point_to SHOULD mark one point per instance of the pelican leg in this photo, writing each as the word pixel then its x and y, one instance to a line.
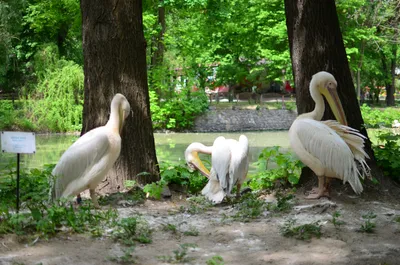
pixel 321 191
pixel 78 199
pixel 239 185
pixel 94 199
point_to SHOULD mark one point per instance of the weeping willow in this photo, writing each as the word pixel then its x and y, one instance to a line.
pixel 57 102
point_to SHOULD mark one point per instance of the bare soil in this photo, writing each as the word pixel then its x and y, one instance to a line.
pixel 258 241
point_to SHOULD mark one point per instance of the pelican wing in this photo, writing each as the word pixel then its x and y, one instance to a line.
pixel 239 163
pixel 80 158
pixel 321 142
pixel 220 159
pixel 355 140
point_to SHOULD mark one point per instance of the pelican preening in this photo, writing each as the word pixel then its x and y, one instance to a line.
pixel 229 165
pixel 86 162
pixel 329 148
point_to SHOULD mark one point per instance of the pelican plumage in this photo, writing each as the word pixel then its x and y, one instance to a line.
pixel 86 162
pixel 329 148
pixel 229 165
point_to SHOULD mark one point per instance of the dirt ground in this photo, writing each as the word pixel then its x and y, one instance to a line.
pixel 256 242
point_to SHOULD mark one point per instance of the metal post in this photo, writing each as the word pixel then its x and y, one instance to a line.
pixel 18 182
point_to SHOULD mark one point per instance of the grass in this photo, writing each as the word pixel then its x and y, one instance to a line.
pixel 180 255
pixel 126 258
pixel 335 219
pixel 249 207
pixel 302 232
pixel 274 103
pixel 368 226
pixel 215 260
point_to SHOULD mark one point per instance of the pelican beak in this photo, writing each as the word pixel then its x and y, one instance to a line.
pixel 121 121
pixel 334 102
pixel 197 164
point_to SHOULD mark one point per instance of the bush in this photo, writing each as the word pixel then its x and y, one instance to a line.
pixel 288 169
pixel 377 118
pixel 387 154
pixel 177 112
pixel 12 117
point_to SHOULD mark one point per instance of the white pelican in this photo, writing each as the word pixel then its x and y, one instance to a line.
pixel 229 161
pixel 329 148
pixel 88 160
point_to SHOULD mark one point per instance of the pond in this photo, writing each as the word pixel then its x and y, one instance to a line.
pixel 170 147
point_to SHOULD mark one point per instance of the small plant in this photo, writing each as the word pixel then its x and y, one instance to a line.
pixel 197 204
pixel 302 232
pixel 180 254
pixel 154 189
pixel 284 201
pixel 215 260
pixel 397 219
pixel 386 154
pixel 368 226
pixel 127 258
pixel 335 219
pixel 131 229
pixel 129 184
pixel 287 170
pixel 249 207
pixel 170 227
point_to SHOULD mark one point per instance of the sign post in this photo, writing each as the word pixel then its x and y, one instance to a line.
pixel 19 143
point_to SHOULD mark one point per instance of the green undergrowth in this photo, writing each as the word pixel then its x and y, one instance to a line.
pixel 302 232
pixel 276 168
pixel 387 152
pixel 179 174
pixel 379 117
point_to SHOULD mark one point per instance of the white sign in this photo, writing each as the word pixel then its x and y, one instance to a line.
pixel 18 142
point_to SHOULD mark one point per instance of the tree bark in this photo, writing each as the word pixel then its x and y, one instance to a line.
pixel 115 62
pixel 316 44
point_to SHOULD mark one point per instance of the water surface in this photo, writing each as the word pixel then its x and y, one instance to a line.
pixel 170 147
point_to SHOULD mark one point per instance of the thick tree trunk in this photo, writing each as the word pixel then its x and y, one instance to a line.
pixel 316 45
pixel 115 62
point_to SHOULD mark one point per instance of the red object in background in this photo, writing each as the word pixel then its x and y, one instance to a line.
pixel 221 89
pixel 288 88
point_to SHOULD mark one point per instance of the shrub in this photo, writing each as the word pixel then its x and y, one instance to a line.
pixel 177 112
pixel 387 154
pixel 287 170
pixel 376 118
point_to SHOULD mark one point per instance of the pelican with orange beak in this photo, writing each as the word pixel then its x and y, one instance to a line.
pixel 330 148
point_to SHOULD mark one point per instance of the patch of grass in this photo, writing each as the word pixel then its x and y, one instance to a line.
pixel 170 227
pixel 180 254
pixel 302 232
pixel 368 226
pixel 397 218
pixel 335 219
pixel 249 207
pixel 126 258
pixel 215 260
pixel 132 197
pixel 191 232
pixel 131 229
pixel 284 202
pixel 197 204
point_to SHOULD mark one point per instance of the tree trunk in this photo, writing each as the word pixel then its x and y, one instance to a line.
pixel 158 42
pixel 115 62
pixel 316 45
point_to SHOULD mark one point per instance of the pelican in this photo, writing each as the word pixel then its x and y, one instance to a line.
pixel 88 160
pixel 229 161
pixel 329 148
